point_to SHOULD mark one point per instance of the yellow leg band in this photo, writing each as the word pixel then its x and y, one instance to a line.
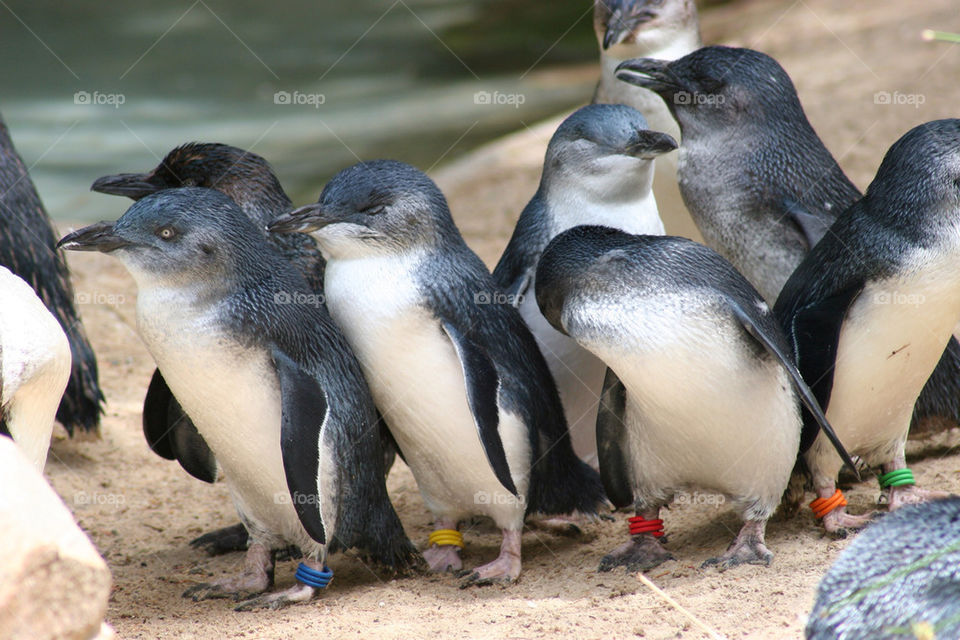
pixel 446 536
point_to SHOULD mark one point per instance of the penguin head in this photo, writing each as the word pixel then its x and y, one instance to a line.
pixel 631 28
pixel 605 148
pixel 244 176
pixel 716 87
pixel 375 207
pixel 918 182
pixel 178 236
pixel 586 257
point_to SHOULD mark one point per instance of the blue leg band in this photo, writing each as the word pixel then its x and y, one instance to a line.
pixel 314 578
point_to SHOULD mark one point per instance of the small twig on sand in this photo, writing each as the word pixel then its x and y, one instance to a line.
pixel 676 605
pixel 945 36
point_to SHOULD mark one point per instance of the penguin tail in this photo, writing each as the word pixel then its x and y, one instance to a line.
pixel 561 483
pixel 380 539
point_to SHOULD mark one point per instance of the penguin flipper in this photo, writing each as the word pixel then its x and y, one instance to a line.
pixel 304 412
pixel 611 435
pixel 813 226
pixel 483 384
pixel 807 396
pixel 172 435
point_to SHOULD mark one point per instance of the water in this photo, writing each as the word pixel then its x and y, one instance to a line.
pixel 89 88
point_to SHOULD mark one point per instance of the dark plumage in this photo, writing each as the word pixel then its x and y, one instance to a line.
pixel 27 242
pixel 900 578
pixel 758 181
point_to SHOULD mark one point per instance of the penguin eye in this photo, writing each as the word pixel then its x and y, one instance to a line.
pixel 375 209
pixel 166 233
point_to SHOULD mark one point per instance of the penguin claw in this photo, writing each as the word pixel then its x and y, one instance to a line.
pixel 294 595
pixel 640 553
pixel 747 548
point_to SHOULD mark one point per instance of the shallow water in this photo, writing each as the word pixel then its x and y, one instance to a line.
pixel 94 88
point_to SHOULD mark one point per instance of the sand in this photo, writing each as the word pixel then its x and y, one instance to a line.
pixel 141 510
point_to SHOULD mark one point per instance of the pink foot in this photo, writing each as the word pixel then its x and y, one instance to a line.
pixel 280 599
pixel 257 577
pixel 506 568
pixel 748 548
pixel 912 494
pixel 839 523
pixel 442 558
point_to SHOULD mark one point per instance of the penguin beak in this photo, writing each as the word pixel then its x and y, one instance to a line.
pixel 305 219
pixel 650 74
pixel 96 237
pixel 132 185
pixel 650 144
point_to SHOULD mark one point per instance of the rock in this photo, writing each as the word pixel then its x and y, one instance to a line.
pixel 53 582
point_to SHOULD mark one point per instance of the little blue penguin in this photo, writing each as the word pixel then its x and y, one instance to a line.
pixel 269 381
pixel 758 181
pixel 899 579
pixel 662 29
pixel 701 392
pixel 872 306
pixel 598 169
pixel 250 181
pixel 27 241
pixel 34 368
pixel 455 372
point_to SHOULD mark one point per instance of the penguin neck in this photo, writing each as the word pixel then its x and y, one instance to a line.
pixel 613 199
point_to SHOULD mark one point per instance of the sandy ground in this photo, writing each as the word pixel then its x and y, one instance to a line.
pixel 141 511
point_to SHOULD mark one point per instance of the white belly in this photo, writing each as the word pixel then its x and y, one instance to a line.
pixel 702 411
pixel 34 366
pixel 417 383
pixel 233 397
pixel 891 340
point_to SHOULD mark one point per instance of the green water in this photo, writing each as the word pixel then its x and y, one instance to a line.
pixel 90 88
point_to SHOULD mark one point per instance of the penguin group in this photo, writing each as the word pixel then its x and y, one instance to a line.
pixel 601 363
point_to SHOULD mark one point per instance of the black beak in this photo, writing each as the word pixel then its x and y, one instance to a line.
pixel 650 74
pixel 132 185
pixel 96 237
pixel 307 218
pixel 650 144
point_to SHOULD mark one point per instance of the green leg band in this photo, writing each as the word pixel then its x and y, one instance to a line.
pixel 896 478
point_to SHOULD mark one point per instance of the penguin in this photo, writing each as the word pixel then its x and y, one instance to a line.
pixel 760 184
pixel 702 390
pixel 35 366
pixel 250 182
pixel 452 366
pixel 899 578
pixel 270 383
pixel 871 308
pixel 27 240
pixel 662 29
pixel 599 169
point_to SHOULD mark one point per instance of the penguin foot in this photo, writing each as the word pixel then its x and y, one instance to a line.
pixel 221 541
pixel 641 553
pixel 443 558
pixel 278 600
pixel 506 568
pixel 256 578
pixel 912 494
pixel 839 523
pixel 747 548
